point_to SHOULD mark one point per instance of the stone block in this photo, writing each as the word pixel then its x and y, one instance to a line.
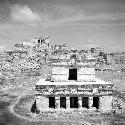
pixel 42 103
pixel 118 105
pixel 67 102
pixel 60 70
pixel 59 77
pixel 57 102
pixel 106 104
pixel 85 77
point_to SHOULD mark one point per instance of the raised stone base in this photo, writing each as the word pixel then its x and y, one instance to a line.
pixel 105 104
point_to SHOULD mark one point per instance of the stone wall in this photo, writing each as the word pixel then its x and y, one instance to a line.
pixel 83 77
pixel 118 105
pixel 106 104
pixel 60 73
pixel 83 74
pixel 86 70
pixel 86 74
pixel 42 103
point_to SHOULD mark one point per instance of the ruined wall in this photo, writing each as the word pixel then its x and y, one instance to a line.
pixel 60 74
pixel 106 104
pixel 118 105
pixel 82 77
pixel 86 70
pixel 86 74
pixel 42 103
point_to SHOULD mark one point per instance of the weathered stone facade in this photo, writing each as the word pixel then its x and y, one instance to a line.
pixel 73 85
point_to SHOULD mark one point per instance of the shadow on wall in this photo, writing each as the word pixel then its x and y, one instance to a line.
pixel 34 108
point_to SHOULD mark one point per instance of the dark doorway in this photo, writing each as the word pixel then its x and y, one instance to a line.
pixel 96 102
pixel 72 74
pixel 85 102
pixel 73 102
pixel 33 108
pixel 62 102
pixel 51 102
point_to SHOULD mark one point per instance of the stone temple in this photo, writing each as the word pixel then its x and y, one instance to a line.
pixel 73 86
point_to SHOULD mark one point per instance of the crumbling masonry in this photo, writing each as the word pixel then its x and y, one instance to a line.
pixel 73 86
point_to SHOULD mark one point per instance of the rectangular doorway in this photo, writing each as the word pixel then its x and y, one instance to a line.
pixel 96 102
pixel 51 102
pixel 62 102
pixel 73 102
pixel 85 102
pixel 72 74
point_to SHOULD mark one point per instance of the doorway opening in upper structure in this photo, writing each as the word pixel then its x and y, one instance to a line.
pixel 72 74
pixel 51 102
pixel 73 102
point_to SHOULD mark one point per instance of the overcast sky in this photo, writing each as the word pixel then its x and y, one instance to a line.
pixel 78 23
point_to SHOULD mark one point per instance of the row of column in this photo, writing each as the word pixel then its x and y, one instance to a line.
pixel 90 102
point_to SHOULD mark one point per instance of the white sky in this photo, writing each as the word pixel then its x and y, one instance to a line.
pixel 78 23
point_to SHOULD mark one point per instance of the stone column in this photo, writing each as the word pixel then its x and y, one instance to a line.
pixel 67 102
pixel 80 102
pixel 57 102
pixel 90 102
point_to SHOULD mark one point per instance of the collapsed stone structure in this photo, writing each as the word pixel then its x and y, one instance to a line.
pixel 73 86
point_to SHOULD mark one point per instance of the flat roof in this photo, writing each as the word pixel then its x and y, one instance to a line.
pixel 71 82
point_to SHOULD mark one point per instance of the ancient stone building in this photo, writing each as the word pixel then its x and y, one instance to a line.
pixel 73 86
